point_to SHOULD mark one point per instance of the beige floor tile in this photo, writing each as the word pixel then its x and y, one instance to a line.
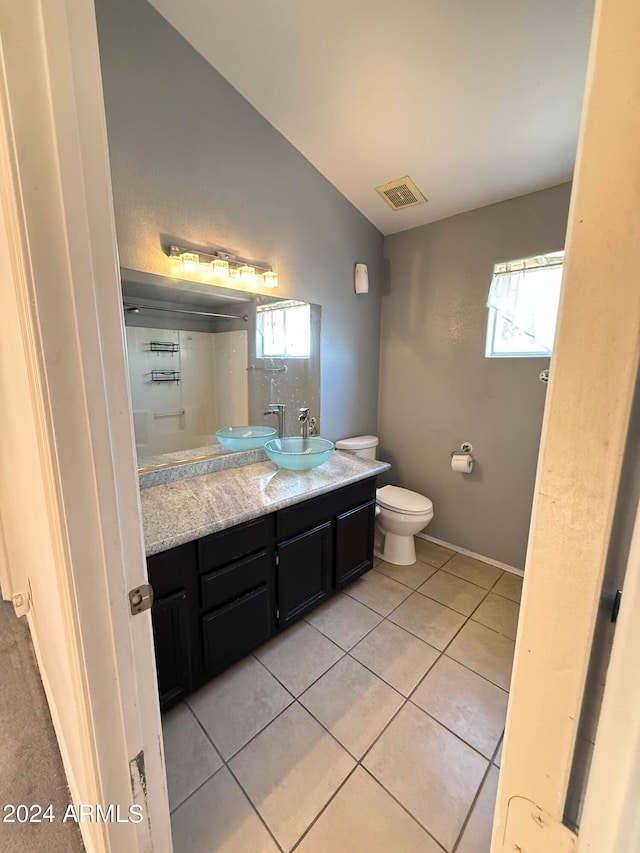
pixel 363 818
pixel 454 592
pixel 430 771
pixel 219 817
pixel 353 703
pixel 428 620
pixel 290 771
pixel 510 586
pixel 474 571
pixel 378 592
pixel 412 576
pixel 500 614
pixel 238 704
pixel 430 552
pixel 344 620
pixel 476 837
pixel 396 655
pixel 298 656
pixel 469 705
pixel 484 651
pixel 189 755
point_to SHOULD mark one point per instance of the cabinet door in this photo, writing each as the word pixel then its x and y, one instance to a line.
pixel 304 572
pixel 172 641
pixel 354 542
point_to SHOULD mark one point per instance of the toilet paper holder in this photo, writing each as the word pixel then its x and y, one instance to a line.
pixel 462 456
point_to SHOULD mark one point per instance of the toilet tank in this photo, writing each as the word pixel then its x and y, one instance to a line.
pixel 360 445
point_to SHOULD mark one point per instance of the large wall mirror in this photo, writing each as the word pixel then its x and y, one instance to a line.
pixel 203 357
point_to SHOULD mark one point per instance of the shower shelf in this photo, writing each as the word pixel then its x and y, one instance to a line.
pixel 163 346
pixel 165 376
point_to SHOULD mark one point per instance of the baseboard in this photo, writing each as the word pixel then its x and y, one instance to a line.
pixel 496 563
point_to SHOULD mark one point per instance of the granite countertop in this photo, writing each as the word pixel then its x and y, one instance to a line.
pixel 180 512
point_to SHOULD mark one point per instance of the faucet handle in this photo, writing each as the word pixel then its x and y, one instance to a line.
pixel 304 413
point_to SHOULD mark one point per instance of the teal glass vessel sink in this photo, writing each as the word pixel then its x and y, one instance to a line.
pixel 244 437
pixel 299 454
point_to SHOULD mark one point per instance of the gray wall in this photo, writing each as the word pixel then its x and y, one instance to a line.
pixel 436 387
pixel 193 161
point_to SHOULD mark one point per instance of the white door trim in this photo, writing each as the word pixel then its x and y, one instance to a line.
pixel 593 374
pixel 74 535
pixel 611 818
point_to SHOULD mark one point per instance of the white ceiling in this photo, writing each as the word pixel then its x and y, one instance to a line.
pixel 476 100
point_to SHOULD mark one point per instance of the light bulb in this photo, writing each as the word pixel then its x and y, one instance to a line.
pixel 220 268
pixel 270 278
pixel 247 274
pixel 190 262
pixel 205 271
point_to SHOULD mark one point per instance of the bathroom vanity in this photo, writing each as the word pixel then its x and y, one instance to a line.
pixel 236 556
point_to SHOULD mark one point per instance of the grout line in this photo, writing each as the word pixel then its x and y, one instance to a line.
pixel 475 672
pixel 471 808
pixel 403 807
pixel 195 790
pixel 405 700
pixel 455 734
pixel 466 615
pixel 255 808
pixel 388 683
pixel 326 805
pixel 465 552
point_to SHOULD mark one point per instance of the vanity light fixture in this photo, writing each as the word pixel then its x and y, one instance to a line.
pixel 219 266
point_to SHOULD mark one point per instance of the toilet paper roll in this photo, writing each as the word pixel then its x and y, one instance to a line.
pixel 462 462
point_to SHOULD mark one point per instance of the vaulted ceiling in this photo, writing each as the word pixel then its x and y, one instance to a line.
pixel 476 101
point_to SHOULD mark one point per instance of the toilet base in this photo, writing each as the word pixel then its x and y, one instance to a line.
pixel 399 550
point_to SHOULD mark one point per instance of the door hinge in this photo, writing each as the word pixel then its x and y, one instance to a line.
pixel 277 559
pixel 21 603
pixel 140 598
pixel 616 605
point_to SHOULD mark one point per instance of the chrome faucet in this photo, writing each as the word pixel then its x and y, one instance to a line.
pixel 304 419
pixel 278 410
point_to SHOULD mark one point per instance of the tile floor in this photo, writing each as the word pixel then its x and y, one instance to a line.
pixel 375 724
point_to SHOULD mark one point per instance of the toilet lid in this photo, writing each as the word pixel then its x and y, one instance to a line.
pixel 403 500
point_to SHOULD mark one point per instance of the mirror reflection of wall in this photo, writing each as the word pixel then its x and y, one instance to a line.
pixel 211 392
pixel 203 357
pixel 284 361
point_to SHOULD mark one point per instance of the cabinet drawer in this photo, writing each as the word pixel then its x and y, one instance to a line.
pixel 296 519
pixel 172 570
pixel 234 630
pixel 230 545
pixel 224 585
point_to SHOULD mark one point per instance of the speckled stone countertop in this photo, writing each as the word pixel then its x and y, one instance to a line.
pixel 181 512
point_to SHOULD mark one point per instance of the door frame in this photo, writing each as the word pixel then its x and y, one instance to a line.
pixel 69 342
pixel 593 372
pixel 70 515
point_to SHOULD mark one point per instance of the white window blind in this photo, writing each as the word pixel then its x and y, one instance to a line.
pixel 523 306
pixel 284 330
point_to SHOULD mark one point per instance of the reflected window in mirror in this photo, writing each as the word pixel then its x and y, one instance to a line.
pixel 283 331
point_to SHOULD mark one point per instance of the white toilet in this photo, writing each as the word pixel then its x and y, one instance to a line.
pixel 401 513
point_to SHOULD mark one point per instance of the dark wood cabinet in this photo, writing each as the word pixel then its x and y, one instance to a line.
pixel 218 598
pixel 175 622
pixel 304 570
pixel 355 530
pixel 173 647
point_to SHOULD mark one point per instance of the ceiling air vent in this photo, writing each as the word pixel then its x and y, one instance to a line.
pixel 401 193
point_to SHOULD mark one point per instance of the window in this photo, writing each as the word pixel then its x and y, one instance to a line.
pixel 283 330
pixel 523 307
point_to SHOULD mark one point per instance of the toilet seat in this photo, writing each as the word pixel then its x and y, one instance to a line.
pixel 405 501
